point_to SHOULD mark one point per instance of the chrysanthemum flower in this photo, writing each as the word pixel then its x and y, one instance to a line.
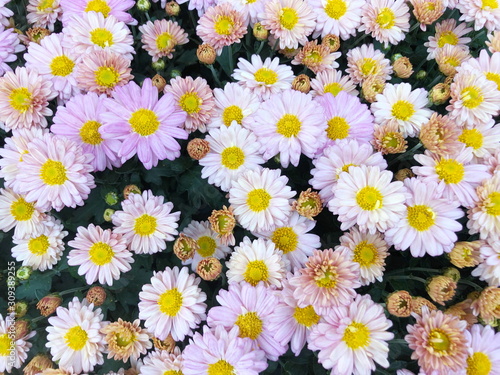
pixel 16 212
pixel 126 340
pixel 450 58
pixel 250 309
pixel 9 46
pixel 263 78
pixel 493 42
pixel 116 8
pixel 438 341
pixel 482 138
pixel 484 215
pixel 332 81
pixel 489 65
pixel 161 37
pixel 352 338
pixel 489 269
pixel 172 304
pixel 43 13
pixel 484 350
pixel 159 362
pixel 233 150
pixel 455 172
pixel 223 353
pixel 74 337
pixel 316 57
pixel 260 199
pixel 487 305
pixel 466 254
pixel 484 13
pixel 366 61
pixel 440 135
pixel 200 5
pixel 146 222
pixel 447 32
pixel 21 346
pixel 337 17
pixel 5 13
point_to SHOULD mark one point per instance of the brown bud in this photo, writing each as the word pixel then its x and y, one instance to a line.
pixel 440 94
pixel 49 304
pixel 96 295
pixel 168 344
pixel 302 83
pixel 308 204
pixel 259 32
pixel 130 189
pixel 159 82
pixel 39 363
pixel 206 54
pixel 399 303
pixel 209 268
pixel 402 67
pixel 36 34
pixel 197 148
pixel 441 289
pixel 22 328
pixel 332 42
pixel 172 8
pixel 185 247
pixel 403 174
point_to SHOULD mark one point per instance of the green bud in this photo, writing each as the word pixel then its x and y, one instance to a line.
pixel 396 56
pixel 175 73
pixel 108 213
pixel 143 5
pixel 20 308
pixel 24 273
pixel 421 74
pixel 452 273
pixel 111 198
pixel 158 65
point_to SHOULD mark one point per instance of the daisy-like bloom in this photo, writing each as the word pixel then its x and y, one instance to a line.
pixel 332 81
pixel 447 32
pixel 80 120
pixel 490 66
pixel 484 215
pixel 294 240
pixel 438 341
pixel 352 338
pixel 103 71
pixel 222 25
pixel 336 159
pixel 256 261
pixel 369 250
pixel 260 199
pixel 263 78
pixel 289 124
pixel 117 8
pixel 172 304
pixel 20 345
pixel 250 309
pixel 24 99
pixel 327 280
pixel 9 46
pixel 146 125
pixel 466 254
pixel 474 98
pixel 290 21
pixel 484 350
pixel 427 11
pixel 429 223
pixel 43 13
pixel 404 105
pixel 488 270
pixel 455 172
pixel 440 135
pixel 317 57
pixel 367 197
pixel 146 222
pixel 208 242
pixel 195 99
pixel 160 362
pixel 366 61
pixel 337 17
pixel 450 58
pixel 233 150
pixel 16 212
pixel 223 353
pixel 161 37
pixel 41 250
pixel 484 13
pixel 482 138
pixel 55 173
pixel 386 20
pixel 387 139
pixel 126 340
pixel 493 42
pixel 74 337
pixel 100 254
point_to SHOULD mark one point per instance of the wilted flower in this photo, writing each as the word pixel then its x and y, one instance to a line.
pixel 168 344
pixel 39 363
pixel 440 93
pixel 332 42
pixel 402 67
pixel 403 174
pixel 131 189
pixel 302 83
pixel 159 82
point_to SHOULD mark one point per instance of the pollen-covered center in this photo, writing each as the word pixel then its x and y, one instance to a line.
pixel 258 200
pixel 338 128
pixel 250 325
pixel 386 18
pixel 61 66
pixel 20 99
pixel 368 66
pixel 39 245
pixel 101 37
pixel 369 198
pixel 89 133
pixel 232 157
pixel 326 277
pixel 489 4
pixel 471 138
pixel 493 77
pixel 333 88
pixel 306 316
pixel 266 76
pixel 145 225
pixel 76 338
pixel 206 246
pixel 439 340
pixel 478 364
pixel 365 253
pixel 335 8
pixel 190 102
pixel 288 126
pixel 45 4
pixel 450 171
pixel 447 37
pixel 421 217
pixel 164 40
pixel 224 25
pixel 256 271
pixel 220 367
pixel 170 302
pixel 5 345
pixel 106 76
pixel 285 239
pixel 100 253
pixel 492 204
pixel 53 173
pixel 22 210
pixel 403 110
pixel 232 113
pixel 472 97
pixel 356 335
pixel 144 122
pixel 288 18
pixel 99 6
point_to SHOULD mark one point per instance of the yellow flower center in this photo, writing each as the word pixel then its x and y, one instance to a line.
pixel 173 372
pixel 356 335
pixel 164 40
pixel 345 168
pixel 421 217
pixel 256 271
pixel 386 18
pixel 472 97
pixel 39 245
pixel 144 122
pixel 369 198
pixel 20 99
pixel 333 88
pixel 53 173
pixel 125 338
pixel 492 204
pixel 494 77
pixel 403 110
pixel 447 37
pixel 439 340
pixel 61 66
pixel 365 254
pixel 289 18
pixel 5 345
pixel 288 125
pixel 232 113
pixel 190 102
pixel 250 325
pixel 98 6
pixel 101 253
pixel 170 302
pixel 206 246
pixel 452 61
pixel 266 76
pixel 338 128
pixel 313 57
pixel 368 66
pixel 145 225
pixel 44 4
pixel 106 76
pixel 471 138
pixel 76 338
pixel 258 200
pixel 285 239
pixel 391 140
pixel 335 8
pixel 450 171
pixel 232 157
pixel 478 364
pixel 224 25
pixel 327 278
pixel 22 210
pixel 489 4
pixel 101 37
pixel 220 367
pixel 306 316
pixel 89 133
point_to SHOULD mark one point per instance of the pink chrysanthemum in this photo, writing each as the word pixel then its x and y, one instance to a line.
pixel 101 254
pixel 366 61
pixel 200 5
pixel 484 215
pixel 145 125
pixel 489 269
pixel 116 8
pixel 160 38
pixel 55 173
pixel 250 9
pixel 159 362
pixel 333 82
pixel 484 350
pixel 337 17
pixel 43 13
pixel 146 222
pixel 9 46
pixel 21 345
pixel 5 13
pixel 172 304
pixel 484 13
pixel 447 32
pixel 16 213
pixel 194 97
pixel 482 138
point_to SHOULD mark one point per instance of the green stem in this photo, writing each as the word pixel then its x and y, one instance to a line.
pixel 260 47
pixel 214 74
pixel 407 277
pixel 398 341
pixel 421 269
pixel 73 290
pixel 470 283
pixel 405 154
pixel 275 47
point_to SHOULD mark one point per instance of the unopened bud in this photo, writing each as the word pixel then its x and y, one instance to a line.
pixel 399 304
pixel 441 289
pixel 96 295
pixel 395 57
pixel 22 328
pixel 159 82
pixel 206 54
pixel 158 64
pixel 209 268
pixel 143 5
pixel 418 302
pixel 36 34
pixel 403 174
pixel 49 304
pixel 223 223
pixel 260 32
pixel 421 75
pixel 111 198
pixel 20 309
pixel 439 94
pixel 197 148
pixel 308 204
pixel 302 83
pixel 24 272
pixel 172 8
pixel 38 364
pixel 371 87
pixel 108 215
pixel 168 344
pixel 402 67
pixel 332 42
pixel 452 273
pixel 175 73
pixel 185 247
pixel 130 189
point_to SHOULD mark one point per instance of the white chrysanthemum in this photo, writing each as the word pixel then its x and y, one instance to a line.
pixel 337 17
pixel 484 13
pixel 484 139
pixel 489 269
pixel 16 212
pixel 146 222
pixel 233 150
pixel 447 32
pixel 43 249
pixel 404 105
pixel 161 362
pixel 484 215
pixel 21 346
pixel 74 336
pixel 332 81
pixel 489 65
pixel 249 8
pixel 366 61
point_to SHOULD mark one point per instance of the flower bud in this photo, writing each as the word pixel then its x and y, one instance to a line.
pixel 439 94
pixel 302 83
pixel 108 214
pixel 175 73
pixel 421 75
pixel 403 174
pixel 209 268
pixel 111 198
pixel 158 65
pixel 402 67
pixel 143 5
pixel 36 34
pixel 130 189
pixel 371 87
pixel 172 8
pixel 259 32
pixel 332 42
pixel 453 273
pixel 197 148
pixel 96 295
pixel 465 254
pixel 168 344
pixel 395 57
pixel 399 303
pixel 49 304
pixel 38 364
pixel 206 54
pixel 308 204
pixel 20 309
pixel 24 273
pixel 159 82
pixel 185 247
pixel 418 302
pixel 441 289
pixel 22 328
pixel 223 223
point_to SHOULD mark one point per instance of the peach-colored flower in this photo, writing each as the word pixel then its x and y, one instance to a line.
pixel 161 37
